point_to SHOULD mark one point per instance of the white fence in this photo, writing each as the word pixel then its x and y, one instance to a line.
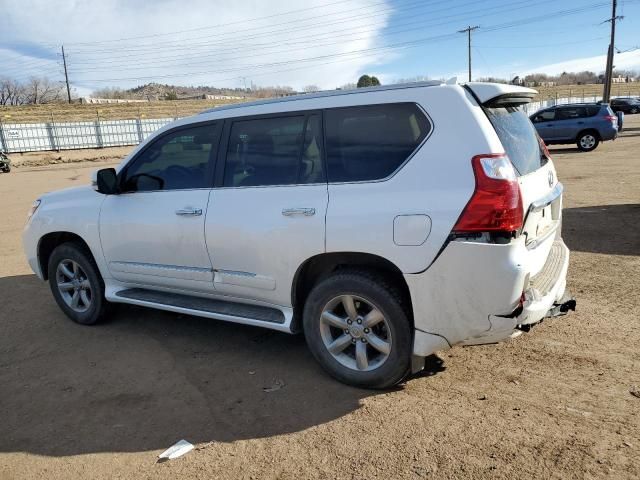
pixel 32 137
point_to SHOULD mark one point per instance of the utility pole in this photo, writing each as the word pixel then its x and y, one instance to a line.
pixel 468 31
pixel 606 95
pixel 66 75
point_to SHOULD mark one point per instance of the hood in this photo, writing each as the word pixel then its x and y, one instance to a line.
pixel 74 193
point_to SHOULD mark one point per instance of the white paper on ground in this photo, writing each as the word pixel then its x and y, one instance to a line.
pixel 176 450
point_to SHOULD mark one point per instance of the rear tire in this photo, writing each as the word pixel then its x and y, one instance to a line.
pixel 358 330
pixel 634 110
pixel 588 141
pixel 76 284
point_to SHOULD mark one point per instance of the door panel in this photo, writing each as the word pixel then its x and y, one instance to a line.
pixel 255 248
pixel 145 241
pixel 152 233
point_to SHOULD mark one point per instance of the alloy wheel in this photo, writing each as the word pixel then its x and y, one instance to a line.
pixel 587 141
pixel 355 333
pixel 74 285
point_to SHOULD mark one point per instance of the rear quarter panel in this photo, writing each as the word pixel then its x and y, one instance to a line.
pixel 437 181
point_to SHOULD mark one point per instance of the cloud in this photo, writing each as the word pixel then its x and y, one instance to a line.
pixel 221 43
pixel 622 61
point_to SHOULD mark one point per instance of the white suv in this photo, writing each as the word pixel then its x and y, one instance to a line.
pixel 386 223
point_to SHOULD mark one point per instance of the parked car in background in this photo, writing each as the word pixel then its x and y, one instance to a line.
pixel 625 104
pixel 357 217
pixel 5 163
pixel 585 124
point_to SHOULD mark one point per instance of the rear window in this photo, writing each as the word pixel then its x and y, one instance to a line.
pixel 519 138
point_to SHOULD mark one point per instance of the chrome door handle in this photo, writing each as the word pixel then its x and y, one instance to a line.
pixel 189 212
pixel 307 212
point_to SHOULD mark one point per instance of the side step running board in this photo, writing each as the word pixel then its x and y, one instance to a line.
pixel 207 306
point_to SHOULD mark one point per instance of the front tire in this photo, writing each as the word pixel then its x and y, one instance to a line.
pixel 588 141
pixel 76 284
pixel 357 328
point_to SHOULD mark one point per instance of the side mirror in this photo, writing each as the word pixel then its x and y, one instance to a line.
pixel 107 181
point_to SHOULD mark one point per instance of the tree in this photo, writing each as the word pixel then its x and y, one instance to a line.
pixel 42 90
pixel 364 81
pixel 374 81
pixel 171 96
pixel 311 89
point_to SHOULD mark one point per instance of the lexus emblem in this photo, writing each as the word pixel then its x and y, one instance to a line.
pixel 551 179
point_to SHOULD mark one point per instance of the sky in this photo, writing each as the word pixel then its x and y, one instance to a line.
pixel 327 43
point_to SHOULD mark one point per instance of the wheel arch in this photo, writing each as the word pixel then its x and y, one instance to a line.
pixel 48 243
pixel 319 267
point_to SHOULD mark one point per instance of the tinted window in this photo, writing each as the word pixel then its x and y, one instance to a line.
pixel 370 143
pixel 274 151
pixel 177 160
pixel 518 137
pixel 569 113
pixel 592 110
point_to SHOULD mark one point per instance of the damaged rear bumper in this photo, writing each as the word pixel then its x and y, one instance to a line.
pixel 546 295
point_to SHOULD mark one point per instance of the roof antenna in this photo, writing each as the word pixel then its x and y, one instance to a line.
pixel 452 81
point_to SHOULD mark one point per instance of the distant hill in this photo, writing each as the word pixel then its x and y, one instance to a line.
pixel 158 91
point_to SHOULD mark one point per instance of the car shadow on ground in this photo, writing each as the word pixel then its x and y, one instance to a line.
pixel 610 229
pixel 147 379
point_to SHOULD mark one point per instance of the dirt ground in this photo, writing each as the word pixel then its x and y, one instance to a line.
pixel 562 401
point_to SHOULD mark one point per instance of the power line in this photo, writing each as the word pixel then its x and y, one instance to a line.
pixel 162 62
pixel 400 45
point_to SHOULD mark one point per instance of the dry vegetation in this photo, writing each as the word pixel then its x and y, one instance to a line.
pixel 563 91
pixel 181 108
pixel 113 111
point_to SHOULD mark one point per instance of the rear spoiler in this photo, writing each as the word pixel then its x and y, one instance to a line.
pixel 493 95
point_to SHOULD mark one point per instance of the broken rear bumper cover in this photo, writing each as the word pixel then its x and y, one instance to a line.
pixel 488 282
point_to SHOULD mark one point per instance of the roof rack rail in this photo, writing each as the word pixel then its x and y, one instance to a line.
pixel 326 93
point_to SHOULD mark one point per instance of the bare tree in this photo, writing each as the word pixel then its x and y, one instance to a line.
pixel 11 92
pixel 42 90
pixel 311 89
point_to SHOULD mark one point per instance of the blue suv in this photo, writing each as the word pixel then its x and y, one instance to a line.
pixel 585 124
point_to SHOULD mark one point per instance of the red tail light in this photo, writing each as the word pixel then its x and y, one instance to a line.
pixel 543 147
pixel 611 118
pixel 496 203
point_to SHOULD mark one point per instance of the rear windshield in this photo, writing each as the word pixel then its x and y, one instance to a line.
pixel 518 137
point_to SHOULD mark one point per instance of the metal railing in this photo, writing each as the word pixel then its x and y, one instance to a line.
pixel 33 137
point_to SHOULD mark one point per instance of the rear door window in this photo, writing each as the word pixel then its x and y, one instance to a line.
pixel 518 137
pixel 371 142
pixel 571 113
pixel 274 151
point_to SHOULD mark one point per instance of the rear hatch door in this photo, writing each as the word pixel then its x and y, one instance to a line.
pixel 541 192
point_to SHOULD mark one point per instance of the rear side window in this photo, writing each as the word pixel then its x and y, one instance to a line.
pixel 592 110
pixel 518 137
pixel 274 151
pixel 372 142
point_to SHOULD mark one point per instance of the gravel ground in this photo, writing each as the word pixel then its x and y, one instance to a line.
pixel 562 401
